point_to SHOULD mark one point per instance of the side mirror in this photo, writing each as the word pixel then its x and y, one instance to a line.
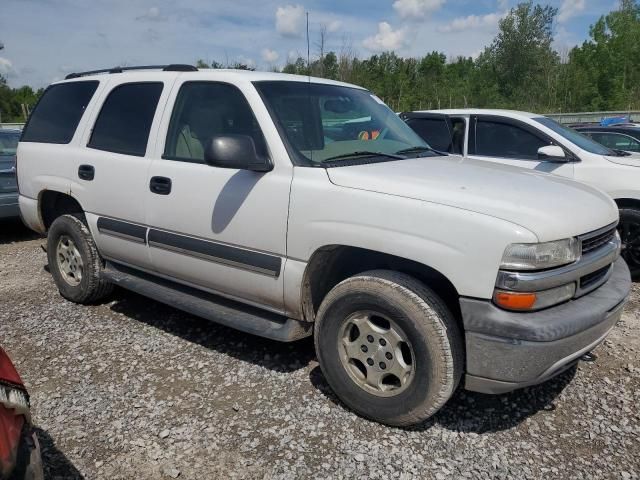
pixel 235 151
pixel 552 153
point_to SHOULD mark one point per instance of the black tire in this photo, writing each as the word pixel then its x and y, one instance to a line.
pixel 91 286
pixel 428 324
pixel 629 228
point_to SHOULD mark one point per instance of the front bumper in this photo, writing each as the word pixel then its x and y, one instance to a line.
pixel 9 207
pixel 509 350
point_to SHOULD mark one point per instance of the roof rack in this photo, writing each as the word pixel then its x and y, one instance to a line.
pixel 174 67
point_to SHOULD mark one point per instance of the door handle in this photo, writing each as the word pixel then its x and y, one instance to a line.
pixel 86 172
pixel 160 185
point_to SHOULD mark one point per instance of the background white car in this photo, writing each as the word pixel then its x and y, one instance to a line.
pixel 539 143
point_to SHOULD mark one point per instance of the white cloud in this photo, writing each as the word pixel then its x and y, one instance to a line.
pixel 503 4
pixel 6 66
pixel 570 8
pixel 460 24
pixel 416 8
pixel 386 39
pixel 270 56
pixel 153 14
pixel 290 20
pixel 334 26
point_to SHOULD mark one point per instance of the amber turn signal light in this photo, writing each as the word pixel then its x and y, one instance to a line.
pixel 515 300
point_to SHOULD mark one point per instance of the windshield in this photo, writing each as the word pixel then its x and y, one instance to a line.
pixel 8 143
pixel 575 137
pixel 329 123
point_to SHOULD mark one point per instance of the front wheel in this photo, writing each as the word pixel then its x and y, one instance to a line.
pixel 629 229
pixel 389 347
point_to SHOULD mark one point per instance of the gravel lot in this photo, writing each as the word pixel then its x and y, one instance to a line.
pixel 131 388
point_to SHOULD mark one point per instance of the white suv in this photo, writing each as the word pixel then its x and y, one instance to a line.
pixel 533 141
pixel 285 206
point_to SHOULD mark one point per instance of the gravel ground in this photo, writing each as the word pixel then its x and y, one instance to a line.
pixel 131 388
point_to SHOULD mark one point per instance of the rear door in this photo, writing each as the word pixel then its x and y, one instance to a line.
pixel 512 142
pixel 111 174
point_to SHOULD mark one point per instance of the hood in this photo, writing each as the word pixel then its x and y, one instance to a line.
pixel 632 160
pixel 550 206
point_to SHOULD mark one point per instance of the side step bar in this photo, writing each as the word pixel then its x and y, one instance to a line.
pixel 209 306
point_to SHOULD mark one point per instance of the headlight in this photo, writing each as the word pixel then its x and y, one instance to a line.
pixel 540 256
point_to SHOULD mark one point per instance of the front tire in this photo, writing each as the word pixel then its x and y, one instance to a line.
pixel 389 347
pixel 74 261
pixel 629 229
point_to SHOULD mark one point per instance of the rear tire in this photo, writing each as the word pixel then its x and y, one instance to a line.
pixel 74 261
pixel 629 229
pixel 380 315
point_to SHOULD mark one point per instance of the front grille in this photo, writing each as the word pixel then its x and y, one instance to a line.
pixel 591 242
pixel 594 277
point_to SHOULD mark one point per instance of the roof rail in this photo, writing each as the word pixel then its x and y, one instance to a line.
pixel 174 67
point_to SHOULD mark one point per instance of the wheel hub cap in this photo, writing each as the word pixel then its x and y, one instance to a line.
pixel 376 354
pixel 69 260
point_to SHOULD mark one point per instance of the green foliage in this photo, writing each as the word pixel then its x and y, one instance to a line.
pixel 13 99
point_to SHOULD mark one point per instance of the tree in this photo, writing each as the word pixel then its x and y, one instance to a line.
pixel 520 62
pixel 606 66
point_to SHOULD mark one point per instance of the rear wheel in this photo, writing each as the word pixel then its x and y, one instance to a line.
pixel 388 347
pixel 629 228
pixel 74 261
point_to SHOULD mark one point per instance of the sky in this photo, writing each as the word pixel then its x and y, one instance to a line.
pixel 46 39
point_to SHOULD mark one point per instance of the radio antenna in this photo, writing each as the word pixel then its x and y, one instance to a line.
pixel 308 51
pixel 309 75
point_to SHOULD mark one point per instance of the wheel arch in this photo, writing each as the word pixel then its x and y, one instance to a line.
pixel 331 264
pixel 53 203
pixel 627 203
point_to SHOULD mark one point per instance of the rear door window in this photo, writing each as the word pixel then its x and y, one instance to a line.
pixel 125 119
pixel 58 113
pixel 505 140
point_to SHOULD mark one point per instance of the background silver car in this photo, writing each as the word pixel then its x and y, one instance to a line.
pixel 8 185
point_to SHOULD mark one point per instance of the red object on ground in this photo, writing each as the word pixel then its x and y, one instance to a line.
pixel 10 433
pixel 8 372
pixel 10 423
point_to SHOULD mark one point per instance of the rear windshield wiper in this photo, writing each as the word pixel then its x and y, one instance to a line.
pixel 363 154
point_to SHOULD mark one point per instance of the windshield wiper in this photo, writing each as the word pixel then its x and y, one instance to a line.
pixel 363 153
pixel 621 153
pixel 420 149
pixel 415 149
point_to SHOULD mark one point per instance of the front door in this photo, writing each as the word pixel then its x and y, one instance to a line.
pixel 221 230
pixel 503 140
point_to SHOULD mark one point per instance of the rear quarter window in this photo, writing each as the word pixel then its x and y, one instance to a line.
pixel 58 113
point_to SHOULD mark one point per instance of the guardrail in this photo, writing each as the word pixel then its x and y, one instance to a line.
pixel 592 117
pixel 14 126
pixel 578 117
